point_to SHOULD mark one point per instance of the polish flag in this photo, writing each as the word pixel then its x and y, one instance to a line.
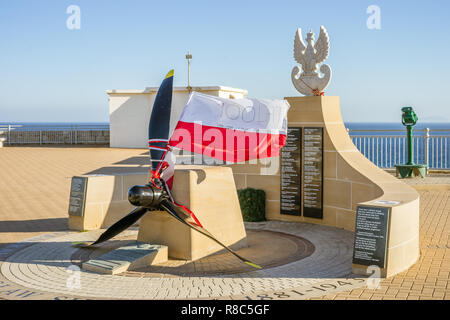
pixel 168 164
pixel 231 130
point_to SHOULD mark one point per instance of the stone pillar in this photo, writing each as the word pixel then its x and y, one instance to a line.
pixel 210 193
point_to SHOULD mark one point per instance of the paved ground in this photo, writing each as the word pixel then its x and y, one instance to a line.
pixel 35 184
pixel 44 266
pixel 434 181
pixel 429 278
pixel 31 176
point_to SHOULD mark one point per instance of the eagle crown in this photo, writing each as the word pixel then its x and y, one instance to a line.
pixel 309 57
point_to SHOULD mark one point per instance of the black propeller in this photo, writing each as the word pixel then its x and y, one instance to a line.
pixel 122 224
pixel 155 196
pixel 158 129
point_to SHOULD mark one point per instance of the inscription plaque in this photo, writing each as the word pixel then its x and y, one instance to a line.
pixel 371 236
pixel 313 173
pixel 77 196
pixel 290 201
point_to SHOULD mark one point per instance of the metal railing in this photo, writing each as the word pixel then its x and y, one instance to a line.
pixel 430 147
pixel 13 134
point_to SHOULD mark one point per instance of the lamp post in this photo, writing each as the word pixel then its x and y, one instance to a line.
pixel 188 58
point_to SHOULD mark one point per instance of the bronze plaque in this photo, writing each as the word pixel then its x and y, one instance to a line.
pixel 313 173
pixel 371 236
pixel 290 201
pixel 77 196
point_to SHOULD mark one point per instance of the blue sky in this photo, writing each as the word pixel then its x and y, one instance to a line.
pixel 51 73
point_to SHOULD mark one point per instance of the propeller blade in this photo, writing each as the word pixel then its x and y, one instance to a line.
pixel 187 220
pixel 159 125
pixel 121 225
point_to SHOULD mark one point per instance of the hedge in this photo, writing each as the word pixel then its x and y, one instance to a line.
pixel 253 204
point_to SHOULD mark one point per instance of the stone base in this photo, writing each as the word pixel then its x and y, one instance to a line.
pixel 130 257
pixel 411 170
pixel 210 192
pixel 105 200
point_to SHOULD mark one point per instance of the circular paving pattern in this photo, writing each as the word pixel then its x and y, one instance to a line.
pixel 266 248
pixel 45 265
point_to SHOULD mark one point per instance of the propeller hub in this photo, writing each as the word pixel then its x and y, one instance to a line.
pixel 146 196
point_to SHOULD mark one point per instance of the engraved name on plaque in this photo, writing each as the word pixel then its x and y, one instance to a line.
pixel 371 236
pixel 313 173
pixel 290 201
pixel 77 196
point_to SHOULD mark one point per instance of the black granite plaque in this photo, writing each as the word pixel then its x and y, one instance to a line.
pixel 371 236
pixel 77 196
pixel 291 173
pixel 313 173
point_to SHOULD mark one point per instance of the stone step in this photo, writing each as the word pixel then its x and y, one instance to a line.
pixel 130 257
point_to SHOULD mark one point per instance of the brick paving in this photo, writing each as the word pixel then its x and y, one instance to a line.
pixel 429 278
pixel 42 266
pixel 34 188
pixel 35 184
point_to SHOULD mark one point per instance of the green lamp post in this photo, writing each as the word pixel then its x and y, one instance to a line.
pixel 410 169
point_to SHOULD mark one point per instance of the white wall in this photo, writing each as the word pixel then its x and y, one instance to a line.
pixel 130 110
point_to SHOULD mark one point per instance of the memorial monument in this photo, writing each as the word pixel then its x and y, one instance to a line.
pixel 208 126
pixel 322 178
pixel 336 184
pixel 156 194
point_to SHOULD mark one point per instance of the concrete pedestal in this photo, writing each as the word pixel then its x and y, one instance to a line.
pixel 211 194
pixel 132 256
pixel 104 201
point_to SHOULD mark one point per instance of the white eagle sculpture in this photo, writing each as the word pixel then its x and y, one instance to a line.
pixel 309 56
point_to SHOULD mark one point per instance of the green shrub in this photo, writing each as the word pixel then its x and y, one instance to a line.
pixel 253 204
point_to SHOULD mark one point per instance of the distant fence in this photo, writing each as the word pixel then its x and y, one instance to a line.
pixel 54 134
pixel 430 147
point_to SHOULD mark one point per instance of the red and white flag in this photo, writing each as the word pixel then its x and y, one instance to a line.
pixel 168 166
pixel 231 130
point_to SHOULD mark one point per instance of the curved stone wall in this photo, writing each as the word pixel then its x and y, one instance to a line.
pixel 349 180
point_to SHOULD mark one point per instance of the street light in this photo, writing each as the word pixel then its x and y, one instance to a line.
pixel 188 58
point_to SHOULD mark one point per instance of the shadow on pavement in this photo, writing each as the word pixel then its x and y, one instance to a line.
pixel 38 225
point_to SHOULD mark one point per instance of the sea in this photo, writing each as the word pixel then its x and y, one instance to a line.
pixel 385 127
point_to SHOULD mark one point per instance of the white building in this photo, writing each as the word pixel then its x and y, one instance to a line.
pixel 130 110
